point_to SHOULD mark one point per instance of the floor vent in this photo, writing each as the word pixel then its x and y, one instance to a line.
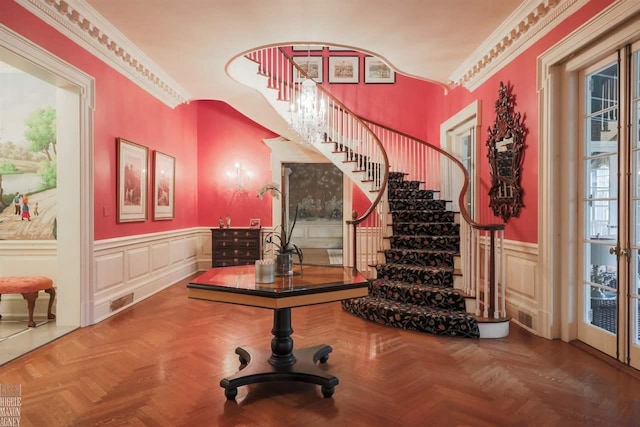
pixel 525 319
pixel 121 302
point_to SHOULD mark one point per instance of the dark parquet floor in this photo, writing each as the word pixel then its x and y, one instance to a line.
pixel 159 363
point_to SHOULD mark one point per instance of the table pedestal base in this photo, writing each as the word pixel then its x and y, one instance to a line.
pixel 258 369
pixel 283 363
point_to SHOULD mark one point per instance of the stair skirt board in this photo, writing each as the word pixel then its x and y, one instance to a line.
pixel 414 288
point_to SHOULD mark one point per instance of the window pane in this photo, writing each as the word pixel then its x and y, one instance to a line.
pixel 602 309
pixel 601 220
pixel 602 89
pixel 602 133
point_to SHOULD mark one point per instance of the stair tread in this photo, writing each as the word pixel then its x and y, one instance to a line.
pixel 422 308
pixel 437 321
pixel 423 222
pixel 432 269
pixel 401 284
pixel 425 251
pixel 423 236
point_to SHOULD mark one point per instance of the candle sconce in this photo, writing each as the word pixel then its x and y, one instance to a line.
pixel 505 152
pixel 238 179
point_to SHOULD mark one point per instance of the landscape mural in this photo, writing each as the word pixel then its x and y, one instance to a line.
pixel 316 189
pixel 28 156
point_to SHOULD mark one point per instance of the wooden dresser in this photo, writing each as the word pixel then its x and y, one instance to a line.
pixel 234 246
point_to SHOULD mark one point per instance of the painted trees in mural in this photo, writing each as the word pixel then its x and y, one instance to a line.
pixel 28 147
pixel 317 191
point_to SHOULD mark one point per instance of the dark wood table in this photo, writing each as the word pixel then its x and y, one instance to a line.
pixel 313 285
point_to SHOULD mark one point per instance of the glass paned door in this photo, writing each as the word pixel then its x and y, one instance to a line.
pixel 610 292
pixel 599 296
pixel 634 250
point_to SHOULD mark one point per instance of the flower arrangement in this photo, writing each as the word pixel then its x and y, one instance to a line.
pixel 281 239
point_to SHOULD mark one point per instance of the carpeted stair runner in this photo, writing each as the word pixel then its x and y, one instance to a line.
pixel 414 287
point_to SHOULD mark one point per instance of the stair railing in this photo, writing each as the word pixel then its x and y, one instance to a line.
pixel 346 134
pixel 482 245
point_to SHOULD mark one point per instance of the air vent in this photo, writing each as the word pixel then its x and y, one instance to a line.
pixel 121 302
pixel 525 319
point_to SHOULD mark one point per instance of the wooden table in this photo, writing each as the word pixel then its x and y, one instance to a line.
pixel 313 285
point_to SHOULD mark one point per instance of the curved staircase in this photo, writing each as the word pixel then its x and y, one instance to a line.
pixel 414 287
pixel 408 241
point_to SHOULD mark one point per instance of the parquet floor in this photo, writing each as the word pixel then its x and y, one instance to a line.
pixel 159 363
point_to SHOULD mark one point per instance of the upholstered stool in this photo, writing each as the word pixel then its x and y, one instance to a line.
pixel 29 286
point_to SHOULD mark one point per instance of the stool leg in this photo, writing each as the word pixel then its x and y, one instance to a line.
pixel 52 296
pixel 31 303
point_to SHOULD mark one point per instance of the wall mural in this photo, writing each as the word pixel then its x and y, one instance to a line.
pixel 505 146
pixel 316 188
pixel 28 176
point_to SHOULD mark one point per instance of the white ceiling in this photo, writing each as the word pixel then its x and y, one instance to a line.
pixel 193 40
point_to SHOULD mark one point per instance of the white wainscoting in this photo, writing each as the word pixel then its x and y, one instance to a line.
pixel 521 276
pixel 145 264
pixel 318 234
pixel 28 258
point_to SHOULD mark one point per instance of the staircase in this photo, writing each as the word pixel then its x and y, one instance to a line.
pixel 407 240
pixel 414 286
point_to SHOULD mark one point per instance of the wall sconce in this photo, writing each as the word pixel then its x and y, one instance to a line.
pixel 238 179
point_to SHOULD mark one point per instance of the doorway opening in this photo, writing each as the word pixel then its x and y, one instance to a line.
pixel 315 203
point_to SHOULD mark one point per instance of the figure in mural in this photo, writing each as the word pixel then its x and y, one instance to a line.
pixel 25 208
pixel 35 209
pixel 28 160
pixel 16 203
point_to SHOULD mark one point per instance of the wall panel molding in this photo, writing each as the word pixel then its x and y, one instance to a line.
pixel 145 264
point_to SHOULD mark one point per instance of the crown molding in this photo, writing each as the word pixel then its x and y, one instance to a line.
pixel 82 24
pixel 531 21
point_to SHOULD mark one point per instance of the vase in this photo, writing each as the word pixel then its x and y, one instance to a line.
pixel 284 264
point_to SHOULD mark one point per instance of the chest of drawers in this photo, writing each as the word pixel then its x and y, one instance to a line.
pixel 234 246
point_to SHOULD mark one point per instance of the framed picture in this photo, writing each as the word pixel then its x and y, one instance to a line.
pixel 376 71
pixel 306 47
pixel 312 65
pixel 344 69
pixel 164 186
pixel 254 223
pixel 131 181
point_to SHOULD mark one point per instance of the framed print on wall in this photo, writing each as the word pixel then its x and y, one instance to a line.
pixel 312 65
pixel 133 166
pixel 344 69
pixel 376 71
pixel 164 186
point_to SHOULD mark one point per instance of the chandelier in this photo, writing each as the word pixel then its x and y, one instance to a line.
pixel 308 112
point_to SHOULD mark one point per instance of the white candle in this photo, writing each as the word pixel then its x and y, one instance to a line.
pixel 265 269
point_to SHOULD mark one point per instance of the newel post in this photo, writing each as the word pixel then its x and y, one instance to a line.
pixel 492 274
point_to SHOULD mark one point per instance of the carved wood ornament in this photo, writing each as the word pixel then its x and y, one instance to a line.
pixel 505 152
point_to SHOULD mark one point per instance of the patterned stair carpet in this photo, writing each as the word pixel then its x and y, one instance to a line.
pixel 414 287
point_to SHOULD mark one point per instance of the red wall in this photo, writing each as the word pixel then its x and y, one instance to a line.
pixel 522 74
pixel 122 110
pixel 226 137
pixel 208 137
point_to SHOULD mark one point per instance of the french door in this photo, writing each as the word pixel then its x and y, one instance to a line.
pixel 608 298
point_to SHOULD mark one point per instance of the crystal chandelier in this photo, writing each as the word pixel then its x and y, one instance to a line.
pixel 308 112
